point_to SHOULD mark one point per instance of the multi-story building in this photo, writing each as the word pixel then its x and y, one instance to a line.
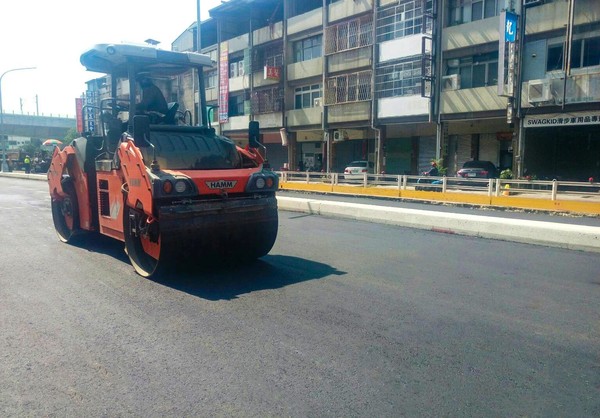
pixel 400 82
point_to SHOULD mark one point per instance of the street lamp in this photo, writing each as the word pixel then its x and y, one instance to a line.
pixel 4 164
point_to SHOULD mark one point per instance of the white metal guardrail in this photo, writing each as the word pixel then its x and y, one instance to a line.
pixel 551 190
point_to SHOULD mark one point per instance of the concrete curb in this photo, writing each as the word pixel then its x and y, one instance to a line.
pixel 574 237
pixel 41 177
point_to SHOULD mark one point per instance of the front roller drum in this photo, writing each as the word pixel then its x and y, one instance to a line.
pixel 240 232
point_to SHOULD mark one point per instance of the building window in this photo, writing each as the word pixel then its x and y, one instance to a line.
pixel 304 97
pixel 354 33
pixel 309 48
pixel 477 71
pixel 403 20
pixel 236 105
pixel 463 11
pixel 211 78
pixel 584 53
pixel 399 79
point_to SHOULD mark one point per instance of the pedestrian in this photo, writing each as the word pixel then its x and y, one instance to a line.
pixel 27 164
pixel 433 170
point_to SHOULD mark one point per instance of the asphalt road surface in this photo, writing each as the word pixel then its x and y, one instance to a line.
pixel 341 319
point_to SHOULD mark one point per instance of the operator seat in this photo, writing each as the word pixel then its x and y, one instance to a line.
pixel 169 117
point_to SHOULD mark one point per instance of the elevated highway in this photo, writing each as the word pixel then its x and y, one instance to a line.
pixel 33 126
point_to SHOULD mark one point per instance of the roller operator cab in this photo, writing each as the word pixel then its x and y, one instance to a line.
pixel 170 191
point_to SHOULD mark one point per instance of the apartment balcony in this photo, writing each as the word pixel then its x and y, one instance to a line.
pixel 305 21
pixel 395 107
pixel 305 69
pixel 346 8
pixel 268 34
pixel 304 117
pixel 478 99
pixel 394 49
pixel 238 43
pixel 237 123
pixel 269 120
pixel 239 83
pixel 471 34
pixel 349 112
pixel 213 54
pixel 212 94
pixel 579 88
pixel 350 60
pixel 259 80
pixel 551 16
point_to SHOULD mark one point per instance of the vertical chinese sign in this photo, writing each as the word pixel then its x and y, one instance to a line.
pixel 224 83
pixel 79 114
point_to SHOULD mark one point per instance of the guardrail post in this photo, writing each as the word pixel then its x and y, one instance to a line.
pixel 335 179
pixel 307 177
pixel 490 187
pixel 444 184
pixel 498 186
pixel 554 189
pixel 365 180
pixel 404 181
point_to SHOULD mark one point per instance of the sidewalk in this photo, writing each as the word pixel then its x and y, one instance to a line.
pixel 553 234
pixel 575 237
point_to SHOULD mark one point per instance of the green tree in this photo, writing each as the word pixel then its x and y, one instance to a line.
pixel 70 136
pixel 30 149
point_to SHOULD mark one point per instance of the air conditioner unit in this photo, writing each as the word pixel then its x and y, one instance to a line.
pixel 451 82
pixel 318 102
pixel 538 91
pixel 339 135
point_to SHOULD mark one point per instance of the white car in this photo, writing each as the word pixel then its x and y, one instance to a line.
pixel 356 170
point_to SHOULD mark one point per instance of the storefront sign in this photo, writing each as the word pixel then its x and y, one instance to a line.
pixel 562 119
pixel 510 27
pixel 272 73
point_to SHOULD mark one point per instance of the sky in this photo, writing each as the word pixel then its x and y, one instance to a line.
pixel 52 34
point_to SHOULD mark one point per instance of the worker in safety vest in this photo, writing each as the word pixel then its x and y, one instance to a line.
pixel 27 164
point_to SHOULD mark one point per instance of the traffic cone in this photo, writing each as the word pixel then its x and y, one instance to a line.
pixel 506 191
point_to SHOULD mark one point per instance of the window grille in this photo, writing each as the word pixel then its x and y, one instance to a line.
pixel 267 100
pixel 347 88
pixel 271 56
pixel 407 18
pixel 352 34
pixel 399 79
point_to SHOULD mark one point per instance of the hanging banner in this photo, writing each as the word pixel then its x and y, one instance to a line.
pixel 224 83
pixel 79 114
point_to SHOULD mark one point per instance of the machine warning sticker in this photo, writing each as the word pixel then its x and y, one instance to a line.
pixel 221 184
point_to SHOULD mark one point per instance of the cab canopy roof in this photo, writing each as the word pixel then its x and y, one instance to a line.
pixel 116 59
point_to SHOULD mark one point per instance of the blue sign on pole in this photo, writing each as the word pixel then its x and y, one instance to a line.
pixel 510 27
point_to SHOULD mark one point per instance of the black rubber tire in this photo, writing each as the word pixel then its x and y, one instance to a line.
pixel 144 264
pixel 65 214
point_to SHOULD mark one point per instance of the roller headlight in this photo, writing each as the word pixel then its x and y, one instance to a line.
pixel 180 186
pixel 171 186
pixel 264 181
